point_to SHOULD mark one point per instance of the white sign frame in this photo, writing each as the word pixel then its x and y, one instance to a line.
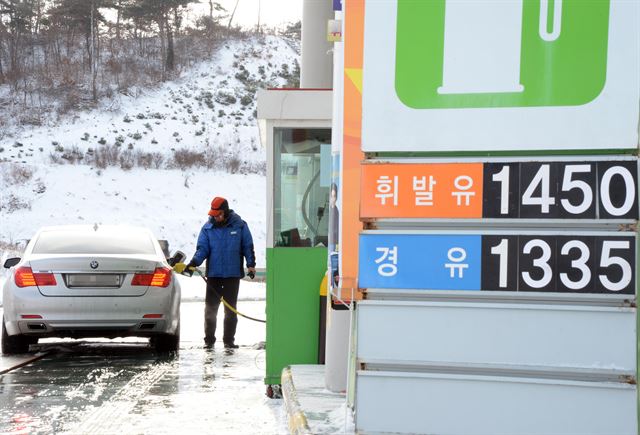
pixel 608 122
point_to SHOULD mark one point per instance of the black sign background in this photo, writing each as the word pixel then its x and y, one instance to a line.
pixel 565 186
pixel 588 255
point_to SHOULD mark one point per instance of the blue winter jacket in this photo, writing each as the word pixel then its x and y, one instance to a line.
pixel 225 246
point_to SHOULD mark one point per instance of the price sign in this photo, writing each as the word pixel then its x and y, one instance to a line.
pixel 508 190
pixel 566 190
pixel 541 262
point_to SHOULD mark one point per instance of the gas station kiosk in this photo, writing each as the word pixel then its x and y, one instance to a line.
pixel 295 127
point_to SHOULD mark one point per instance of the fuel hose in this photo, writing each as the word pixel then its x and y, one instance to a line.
pixel 227 304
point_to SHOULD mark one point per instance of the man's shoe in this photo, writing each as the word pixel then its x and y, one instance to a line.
pixel 208 344
pixel 231 346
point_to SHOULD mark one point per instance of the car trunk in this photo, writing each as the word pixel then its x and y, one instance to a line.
pixel 110 275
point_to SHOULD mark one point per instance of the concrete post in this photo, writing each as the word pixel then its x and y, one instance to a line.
pixel 316 63
pixel 338 321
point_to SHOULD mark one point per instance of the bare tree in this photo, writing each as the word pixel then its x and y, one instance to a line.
pixel 258 25
pixel 3 33
pixel 19 22
pixel 233 13
pixel 167 14
pixel 94 56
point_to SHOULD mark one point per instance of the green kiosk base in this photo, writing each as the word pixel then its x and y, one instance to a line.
pixel 293 302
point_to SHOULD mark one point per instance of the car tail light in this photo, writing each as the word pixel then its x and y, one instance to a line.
pixel 25 277
pixel 43 279
pixel 161 277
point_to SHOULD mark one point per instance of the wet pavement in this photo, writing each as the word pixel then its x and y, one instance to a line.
pixel 124 386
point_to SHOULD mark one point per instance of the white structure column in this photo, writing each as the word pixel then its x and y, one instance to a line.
pixel 316 63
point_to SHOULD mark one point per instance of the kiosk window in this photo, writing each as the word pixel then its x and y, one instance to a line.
pixel 301 192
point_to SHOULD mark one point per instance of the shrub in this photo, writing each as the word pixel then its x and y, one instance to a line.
pixel 73 156
pixel 225 98
pixel 242 76
pixel 17 174
pixel 149 160
pixel 185 158
pixel 107 155
pixel 55 159
pixel 207 98
pixel 233 164
pixel 13 203
pixel 156 160
pixel 127 160
pixel 40 188
pixel 246 100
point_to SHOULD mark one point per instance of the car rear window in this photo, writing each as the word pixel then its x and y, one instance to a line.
pixel 83 242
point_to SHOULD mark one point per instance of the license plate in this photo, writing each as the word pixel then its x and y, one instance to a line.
pixel 94 280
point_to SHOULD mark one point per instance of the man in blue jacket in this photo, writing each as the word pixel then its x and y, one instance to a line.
pixel 224 241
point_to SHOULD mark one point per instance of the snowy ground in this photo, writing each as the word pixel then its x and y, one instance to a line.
pixel 121 386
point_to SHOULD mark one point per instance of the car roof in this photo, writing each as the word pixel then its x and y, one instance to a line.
pixel 91 231
pixel 96 227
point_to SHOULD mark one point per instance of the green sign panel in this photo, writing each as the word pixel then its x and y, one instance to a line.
pixel 516 53
pixel 500 75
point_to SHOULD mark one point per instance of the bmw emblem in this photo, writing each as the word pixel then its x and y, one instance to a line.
pixel 94 264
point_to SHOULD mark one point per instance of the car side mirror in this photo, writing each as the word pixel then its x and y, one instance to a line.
pixel 164 245
pixel 178 257
pixel 10 262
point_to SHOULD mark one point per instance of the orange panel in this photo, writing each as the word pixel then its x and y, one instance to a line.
pixel 351 151
pixel 425 190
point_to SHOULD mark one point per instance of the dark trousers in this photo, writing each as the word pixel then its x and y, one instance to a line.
pixel 228 289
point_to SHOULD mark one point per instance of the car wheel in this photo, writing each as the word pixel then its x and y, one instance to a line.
pixel 12 344
pixel 167 342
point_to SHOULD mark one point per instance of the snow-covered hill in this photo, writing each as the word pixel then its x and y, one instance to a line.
pixel 154 159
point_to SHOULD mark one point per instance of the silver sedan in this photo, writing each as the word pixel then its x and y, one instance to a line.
pixel 91 281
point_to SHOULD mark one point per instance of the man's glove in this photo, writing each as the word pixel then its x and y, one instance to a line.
pixel 251 272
